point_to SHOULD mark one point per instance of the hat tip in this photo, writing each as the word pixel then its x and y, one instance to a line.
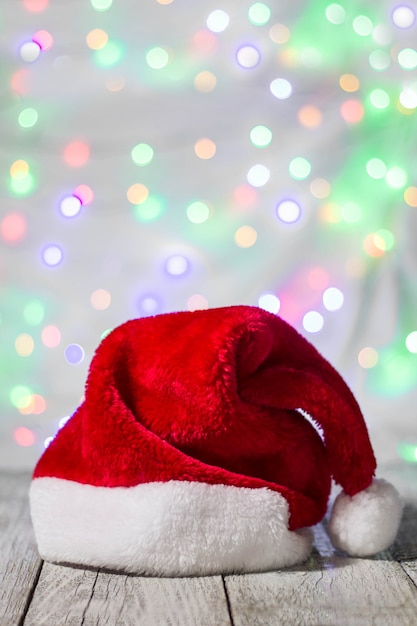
pixel 366 523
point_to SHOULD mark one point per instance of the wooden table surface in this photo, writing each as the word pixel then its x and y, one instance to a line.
pixel 329 589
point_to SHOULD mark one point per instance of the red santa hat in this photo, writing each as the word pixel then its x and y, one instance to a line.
pixel 192 453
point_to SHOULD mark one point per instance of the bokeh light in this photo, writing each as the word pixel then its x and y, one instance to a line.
pixel 149 304
pixel 279 33
pixel 205 148
pixel 44 39
pixel 288 211
pixel 108 55
pixel 245 236
pixel 258 175
pixel 205 81
pixel 198 212
pixel 362 25
pixel 177 265
pixel 407 58
pixel 333 299
pixel 281 88
pixel 218 21
pixel 70 206
pixel 30 51
pixel 101 5
pixel 76 153
pixel 313 322
pixel 349 82
pixel 142 154
pixel 368 357
pixel 34 312
pixel 197 302
pixel 411 342
pixel 52 255
pixel 28 117
pixel 13 227
pixel 248 56
pixel 35 6
pixel 137 193
pixel 269 302
pixel 299 168
pixel 335 13
pixel 24 436
pixel 84 193
pixel 97 39
pixel 157 58
pixel 260 136
pixel 51 336
pixel 74 354
pixel 403 16
pixel 259 14
pixel 24 344
pixel 100 299
pixel 352 111
pixel 310 116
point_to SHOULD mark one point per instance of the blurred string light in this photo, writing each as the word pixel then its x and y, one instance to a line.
pixel 177 265
pixel 35 6
pixel 205 148
pixel 142 154
pixel 313 322
pixel 28 117
pixel 101 5
pixel 259 14
pixel 198 212
pixel 403 16
pixel 288 211
pixel 218 21
pixel 269 302
pixel 13 228
pixel 245 236
pixel 258 175
pixel 260 136
pixel 281 88
pixel 197 302
pixel 248 56
pixel 52 255
pixel 74 354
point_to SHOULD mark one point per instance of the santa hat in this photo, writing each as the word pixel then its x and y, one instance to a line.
pixel 193 454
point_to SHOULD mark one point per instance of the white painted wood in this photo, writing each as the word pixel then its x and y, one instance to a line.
pixel 410 567
pixel 328 591
pixel 70 596
pixel 19 560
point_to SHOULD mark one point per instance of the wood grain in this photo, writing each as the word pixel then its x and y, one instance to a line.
pixel 330 590
pixel 19 560
pixel 76 597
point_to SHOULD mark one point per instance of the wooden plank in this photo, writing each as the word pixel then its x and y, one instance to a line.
pixel 405 546
pixel 410 567
pixel 330 590
pixel 76 597
pixel 19 561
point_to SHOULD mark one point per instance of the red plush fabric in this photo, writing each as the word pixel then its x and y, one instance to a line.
pixel 211 396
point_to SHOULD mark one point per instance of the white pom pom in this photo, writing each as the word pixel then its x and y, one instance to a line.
pixel 367 522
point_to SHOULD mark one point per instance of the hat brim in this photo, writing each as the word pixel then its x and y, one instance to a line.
pixel 174 528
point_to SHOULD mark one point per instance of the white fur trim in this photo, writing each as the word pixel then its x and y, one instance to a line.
pixel 366 523
pixel 165 529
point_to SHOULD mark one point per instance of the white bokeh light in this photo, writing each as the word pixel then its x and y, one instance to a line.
pixel 313 322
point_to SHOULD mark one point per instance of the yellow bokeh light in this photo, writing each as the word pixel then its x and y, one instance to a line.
pixel 97 39
pixel 320 188
pixel 245 236
pixel 368 357
pixel 279 33
pixel 410 196
pixel 205 148
pixel 349 82
pixel 24 345
pixel 137 193
pixel 310 116
pixel 19 169
pixel 205 82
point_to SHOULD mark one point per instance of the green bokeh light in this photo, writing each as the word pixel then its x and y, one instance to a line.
pixel 109 55
pixel 28 117
pixel 22 185
pixel 142 154
pixel 407 58
pixel 20 396
pixel 379 98
pixel 198 212
pixel 407 451
pixel 385 239
pixel 260 136
pixel 299 168
pixel 157 58
pixel 149 210
pixel 34 312
pixel 101 5
pixel 396 177
pixel 362 25
pixel 335 13
pixel 395 373
pixel 376 168
pixel 379 60
pixel 259 13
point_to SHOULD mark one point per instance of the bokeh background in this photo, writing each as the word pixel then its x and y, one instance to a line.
pixel 176 155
